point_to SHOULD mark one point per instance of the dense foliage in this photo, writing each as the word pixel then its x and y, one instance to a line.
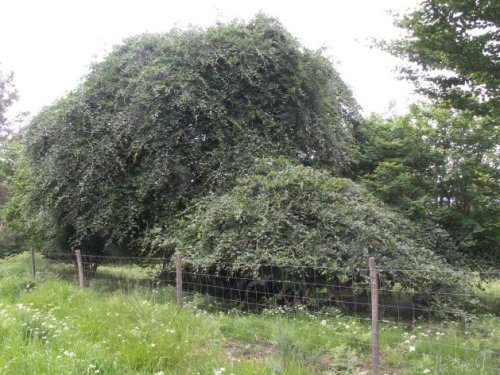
pixel 10 152
pixel 224 143
pixel 166 118
pixel 11 239
pixel 453 47
pixel 283 214
pixel 440 165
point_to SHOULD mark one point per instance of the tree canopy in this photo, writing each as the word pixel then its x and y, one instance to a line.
pixel 166 118
pixel 453 47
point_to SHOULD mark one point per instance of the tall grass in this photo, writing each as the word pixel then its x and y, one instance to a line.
pixel 51 327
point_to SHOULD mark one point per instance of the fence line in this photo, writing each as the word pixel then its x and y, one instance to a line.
pixel 259 286
pixel 289 288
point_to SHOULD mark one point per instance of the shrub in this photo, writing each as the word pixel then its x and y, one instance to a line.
pixel 282 214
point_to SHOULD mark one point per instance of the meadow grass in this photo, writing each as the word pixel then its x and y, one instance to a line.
pixel 49 326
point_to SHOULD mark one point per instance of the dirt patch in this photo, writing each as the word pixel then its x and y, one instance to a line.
pixel 250 351
pixel 383 368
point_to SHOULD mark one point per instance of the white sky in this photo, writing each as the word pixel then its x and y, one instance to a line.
pixel 49 44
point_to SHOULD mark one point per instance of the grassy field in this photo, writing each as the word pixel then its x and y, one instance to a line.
pixel 51 327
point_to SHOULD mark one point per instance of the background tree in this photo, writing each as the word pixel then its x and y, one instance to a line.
pixel 10 152
pixel 441 162
pixel 441 165
pixel 168 118
pixel 8 96
pixel 453 47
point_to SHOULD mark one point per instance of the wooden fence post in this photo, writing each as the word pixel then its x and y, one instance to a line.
pixel 374 308
pixel 33 270
pixel 178 277
pixel 79 264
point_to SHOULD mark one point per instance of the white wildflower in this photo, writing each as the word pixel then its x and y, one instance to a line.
pixel 69 354
pixel 426 371
pixel 412 349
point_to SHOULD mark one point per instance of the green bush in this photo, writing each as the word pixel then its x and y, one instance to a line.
pixel 282 214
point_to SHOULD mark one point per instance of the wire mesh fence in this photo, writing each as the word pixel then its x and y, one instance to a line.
pixel 405 322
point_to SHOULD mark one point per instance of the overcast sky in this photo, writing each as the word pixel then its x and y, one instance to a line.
pixel 49 44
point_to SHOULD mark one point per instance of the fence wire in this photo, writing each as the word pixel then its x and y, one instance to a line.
pixel 292 292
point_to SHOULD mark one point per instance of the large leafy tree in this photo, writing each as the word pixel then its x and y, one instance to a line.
pixel 453 47
pixel 168 118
